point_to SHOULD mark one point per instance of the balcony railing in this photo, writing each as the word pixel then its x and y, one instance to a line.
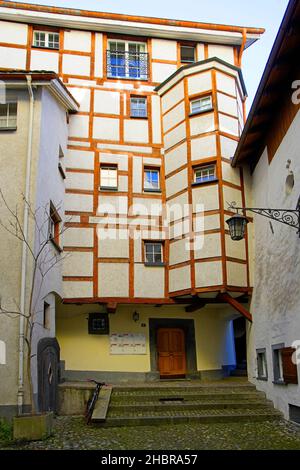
pixel 130 65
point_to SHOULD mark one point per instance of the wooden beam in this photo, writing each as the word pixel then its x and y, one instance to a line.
pixel 236 305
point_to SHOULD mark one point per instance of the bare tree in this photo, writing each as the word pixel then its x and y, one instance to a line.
pixel 45 256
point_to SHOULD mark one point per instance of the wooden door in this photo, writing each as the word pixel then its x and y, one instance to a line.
pixel 171 352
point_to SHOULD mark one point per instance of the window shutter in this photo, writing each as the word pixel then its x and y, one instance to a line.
pixel 290 373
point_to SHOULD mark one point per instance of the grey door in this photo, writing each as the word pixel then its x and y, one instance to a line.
pixel 48 374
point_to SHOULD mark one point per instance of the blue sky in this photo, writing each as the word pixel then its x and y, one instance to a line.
pixel 259 13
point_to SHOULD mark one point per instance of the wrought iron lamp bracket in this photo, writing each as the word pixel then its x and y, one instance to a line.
pixel 284 216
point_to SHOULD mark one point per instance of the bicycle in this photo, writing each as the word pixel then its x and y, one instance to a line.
pixel 93 400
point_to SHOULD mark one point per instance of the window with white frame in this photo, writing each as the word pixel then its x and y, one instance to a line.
pixel 108 177
pixel 127 59
pixel 8 115
pixel 47 39
pixel 151 179
pixel 153 252
pixel 187 54
pixel 203 174
pixel 138 107
pixel 262 371
pixel 200 105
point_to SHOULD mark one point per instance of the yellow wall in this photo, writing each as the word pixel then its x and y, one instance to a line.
pixel 82 351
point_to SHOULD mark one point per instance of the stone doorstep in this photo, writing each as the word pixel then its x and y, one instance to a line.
pixel 102 404
pixel 188 406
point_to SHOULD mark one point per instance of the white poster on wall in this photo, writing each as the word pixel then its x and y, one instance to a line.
pixel 127 343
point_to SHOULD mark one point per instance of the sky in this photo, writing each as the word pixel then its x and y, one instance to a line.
pixel 257 13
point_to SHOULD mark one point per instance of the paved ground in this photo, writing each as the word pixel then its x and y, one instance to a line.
pixel 72 433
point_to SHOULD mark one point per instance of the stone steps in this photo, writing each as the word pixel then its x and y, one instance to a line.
pixel 182 403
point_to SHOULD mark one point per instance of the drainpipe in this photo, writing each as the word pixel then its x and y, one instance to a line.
pixel 24 248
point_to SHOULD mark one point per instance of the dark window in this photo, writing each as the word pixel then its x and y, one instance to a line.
pixel 262 371
pixel 54 226
pixel 138 107
pixel 98 324
pixel 8 115
pixel 46 317
pixel 277 363
pixel 187 54
pixel 153 253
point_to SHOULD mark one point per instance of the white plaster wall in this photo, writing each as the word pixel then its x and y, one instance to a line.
pixel 275 303
pixel 79 159
pixel 156 119
pixel 79 237
pixel 178 206
pixel 228 124
pixel 137 174
pixel 164 49
pixel 113 279
pixel 174 117
pixel 79 126
pixel 176 183
pixel 207 245
pixel 136 131
pixel 79 202
pixel 120 160
pixel 179 279
pixel 236 274
pixel 146 206
pixel 200 52
pixel 112 205
pixel 13 33
pixel 172 97
pixel 78 264
pixel 226 83
pixel 149 281
pixel 228 147
pixel 77 41
pixel 199 83
pixel 113 244
pixel 176 158
pixel 42 60
pixel 179 251
pixel 203 147
pixel 76 65
pixel 234 248
pixel 175 136
pixel 206 195
pixel 202 124
pixel 83 97
pixel 77 289
pixel 208 273
pixel 227 104
pixel 161 72
pixel 211 222
pixel 11 58
pixel 106 128
pixel 80 181
pixel 222 52
pixel 231 174
pixel 107 102
pixel 99 55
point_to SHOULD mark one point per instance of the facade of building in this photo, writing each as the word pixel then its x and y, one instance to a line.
pixel 270 147
pixel 152 281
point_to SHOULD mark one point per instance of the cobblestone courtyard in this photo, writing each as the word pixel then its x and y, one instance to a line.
pixel 72 433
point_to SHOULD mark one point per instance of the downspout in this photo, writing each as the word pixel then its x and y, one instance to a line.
pixel 24 248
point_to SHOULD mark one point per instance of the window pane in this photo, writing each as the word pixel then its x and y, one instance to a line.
pixel 153 252
pixel 151 179
pixel 138 107
pixel 201 104
pixel 205 174
pixel 187 54
pixel 109 177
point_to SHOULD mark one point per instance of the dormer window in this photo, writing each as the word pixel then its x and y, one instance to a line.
pixel 46 39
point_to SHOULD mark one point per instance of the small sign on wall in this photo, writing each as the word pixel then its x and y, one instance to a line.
pixel 127 343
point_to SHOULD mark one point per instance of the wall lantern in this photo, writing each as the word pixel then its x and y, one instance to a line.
pixel 237 223
pixel 135 316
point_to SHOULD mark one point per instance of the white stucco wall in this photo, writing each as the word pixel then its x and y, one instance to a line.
pixel 276 304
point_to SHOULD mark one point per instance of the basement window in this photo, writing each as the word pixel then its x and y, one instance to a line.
pixel 8 116
pixel 46 39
